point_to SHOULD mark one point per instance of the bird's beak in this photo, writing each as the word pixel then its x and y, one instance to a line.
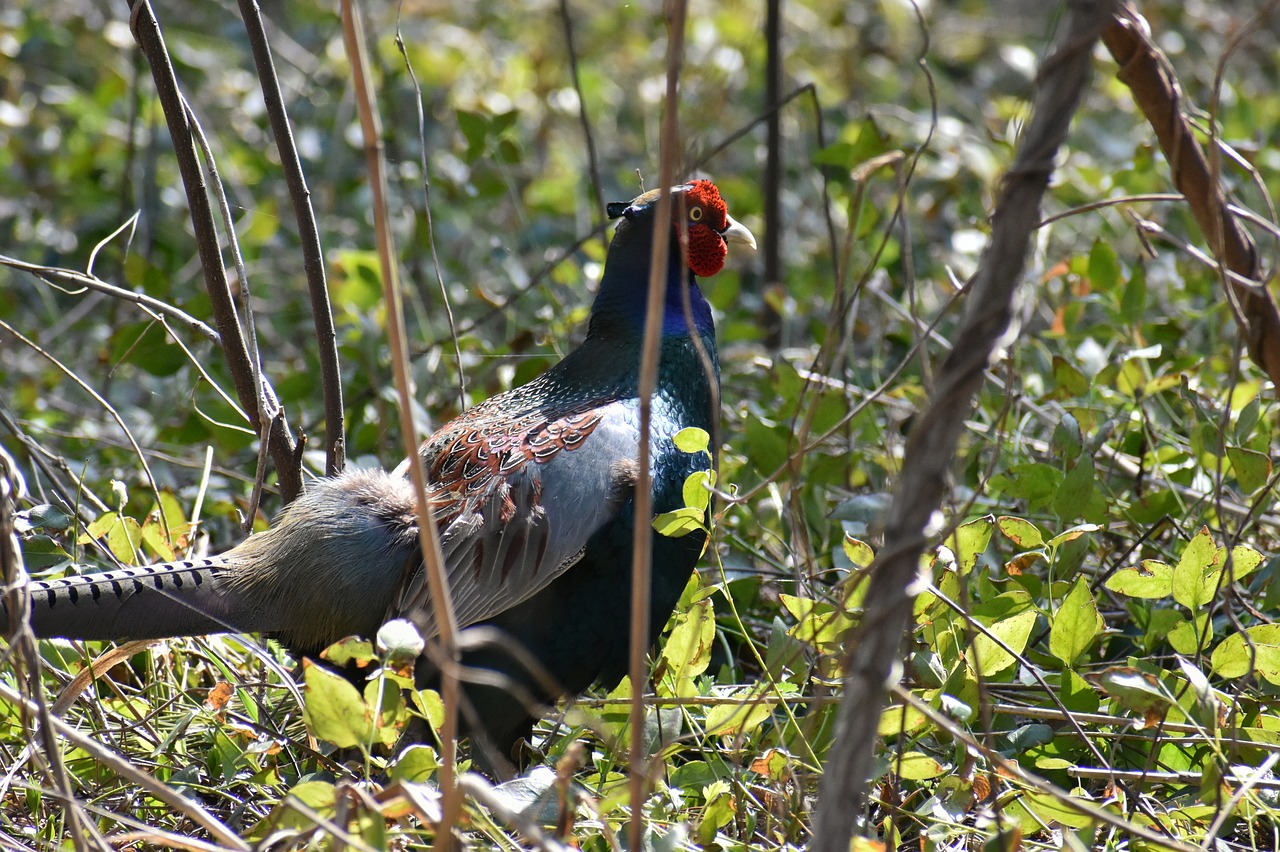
pixel 738 233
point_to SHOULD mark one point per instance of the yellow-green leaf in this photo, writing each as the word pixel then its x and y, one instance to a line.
pixel 692 440
pixel 334 709
pixel 679 523
pixel 988 656
pixel 1256 651
pixel 1252 469
pixel 1190 587
pixel 1148 579
pixel 1076 624
pixel 1021 532
pixel 688 649
pixel 697 489
pixel 970 541
pixel 917 766
pixel 859 552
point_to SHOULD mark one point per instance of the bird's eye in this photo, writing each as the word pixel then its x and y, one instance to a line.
pixel 695 214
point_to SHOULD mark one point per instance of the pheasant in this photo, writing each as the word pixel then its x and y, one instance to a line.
pixel 533 490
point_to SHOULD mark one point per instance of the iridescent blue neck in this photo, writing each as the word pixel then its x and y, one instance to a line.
pixel 619 307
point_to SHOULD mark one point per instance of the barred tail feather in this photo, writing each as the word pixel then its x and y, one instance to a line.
pixel 148 602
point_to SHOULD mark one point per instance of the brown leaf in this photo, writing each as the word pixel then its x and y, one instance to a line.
pixel 218 697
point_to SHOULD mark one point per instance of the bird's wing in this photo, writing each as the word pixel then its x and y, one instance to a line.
pixel 517 500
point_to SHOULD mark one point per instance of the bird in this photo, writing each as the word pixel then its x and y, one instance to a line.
pixel 533 493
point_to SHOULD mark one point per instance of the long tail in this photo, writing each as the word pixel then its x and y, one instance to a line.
pixel 148 602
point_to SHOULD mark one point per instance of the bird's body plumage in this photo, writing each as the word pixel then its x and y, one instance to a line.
pixel 533 492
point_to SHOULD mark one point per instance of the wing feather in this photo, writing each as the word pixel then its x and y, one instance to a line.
pixel 516 508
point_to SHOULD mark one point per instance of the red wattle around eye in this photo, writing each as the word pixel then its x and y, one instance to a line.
pixel 706 251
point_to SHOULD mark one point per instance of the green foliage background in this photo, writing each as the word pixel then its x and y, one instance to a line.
pixel 1120 452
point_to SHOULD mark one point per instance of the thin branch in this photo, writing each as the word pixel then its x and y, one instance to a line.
pixel 335 445
pixel 770 248
pixel 426 209
pixel 146 32
pixel 437 581
pixel 642 539
pixel 108 407
pixel 72 278
pixel 874 648
pixel 593 162
pixel 1157 93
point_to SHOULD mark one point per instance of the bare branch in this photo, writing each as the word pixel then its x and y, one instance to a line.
pixel 146 31
pixel 1157 93
pixel 873 650
pixel 335 445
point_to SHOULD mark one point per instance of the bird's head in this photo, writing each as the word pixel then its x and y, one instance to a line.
pixel 702 223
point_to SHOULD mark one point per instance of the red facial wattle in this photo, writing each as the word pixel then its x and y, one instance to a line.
pixel 706 217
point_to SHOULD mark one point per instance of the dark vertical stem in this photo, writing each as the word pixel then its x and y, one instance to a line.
pixel 769 318
pixel 335 452
pixel 251 394
pixel 593 161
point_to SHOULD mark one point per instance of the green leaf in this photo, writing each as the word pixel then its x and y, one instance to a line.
pixel 1021 532
pixel 1252 469
pixel 1192 586
pixel 692 440
pixel 415 763
pixel 1133 299
pixel 1036 810
pixel 718 812
pixel 429 705
pixel 1072 534
pixel 1255 651
pixel 970 540
pixel 383 701
pixel 1076 491
pixel 334 709
pixel 1036 483
pixel 1069 378
pixel 1076 624
pixel 697 489
pixel 1148 579
pixel 1190 636
pixel 916 766
pixel 858 551
pixel 349 651
pixel 819 624
pixel 357 280
pixel 1104 266
pixel 122 534
pixel 687 652
pixel 747 710
pixel 766 445
pixel 474 127
pixel 1244 561
pixel 1247 420
pixel 989 657
pixel 1134 689
pixel 1067 439
pixel 154 538
pixel 680 522
pixel 44 516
